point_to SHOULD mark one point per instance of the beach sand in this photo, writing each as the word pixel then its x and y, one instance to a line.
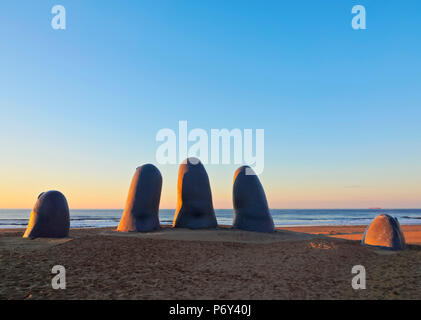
pixel 292 263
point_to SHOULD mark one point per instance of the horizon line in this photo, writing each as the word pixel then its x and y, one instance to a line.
pixel 373 209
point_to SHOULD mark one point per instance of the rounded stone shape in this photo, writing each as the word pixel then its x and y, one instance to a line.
pixel 141 213
pixel 384 232
pixel 251 210
pixel 50 217
pixel 194 197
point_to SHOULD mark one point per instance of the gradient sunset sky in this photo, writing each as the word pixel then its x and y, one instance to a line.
pixel 341 109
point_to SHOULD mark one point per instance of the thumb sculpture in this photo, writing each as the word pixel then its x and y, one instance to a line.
pixel 50 217
pixel 251 210
pixel 141 213
pixel 194 197
pixel 384 232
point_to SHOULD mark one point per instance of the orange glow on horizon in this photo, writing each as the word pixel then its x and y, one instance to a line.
pixel 20 189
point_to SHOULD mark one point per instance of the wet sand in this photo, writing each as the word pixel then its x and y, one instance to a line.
pixel 412 233
pixel 293 263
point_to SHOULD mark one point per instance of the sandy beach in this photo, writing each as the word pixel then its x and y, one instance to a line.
pixel 292 263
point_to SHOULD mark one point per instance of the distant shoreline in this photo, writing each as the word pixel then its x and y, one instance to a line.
pixel 281 217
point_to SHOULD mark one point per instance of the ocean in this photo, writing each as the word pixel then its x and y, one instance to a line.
pixel 18 218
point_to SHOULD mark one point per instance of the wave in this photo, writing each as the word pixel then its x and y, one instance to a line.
pixel 94 219
pixel 13 223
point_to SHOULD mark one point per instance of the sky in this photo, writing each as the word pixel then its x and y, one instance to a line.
pixel 341 108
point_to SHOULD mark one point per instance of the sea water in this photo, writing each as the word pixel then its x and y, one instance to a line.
pixel 18 218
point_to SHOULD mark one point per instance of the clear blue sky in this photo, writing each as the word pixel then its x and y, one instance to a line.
pixel 341 109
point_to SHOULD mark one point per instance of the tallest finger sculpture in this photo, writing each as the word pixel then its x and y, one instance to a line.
pixel 194 197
